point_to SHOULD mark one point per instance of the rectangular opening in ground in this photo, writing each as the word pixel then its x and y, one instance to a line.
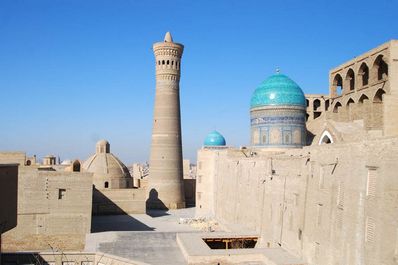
pixel 231 243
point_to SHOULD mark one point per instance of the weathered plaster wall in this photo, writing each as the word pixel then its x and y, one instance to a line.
pixel 8 197
pixel 54 211
pixel 330 204
pixel 119 201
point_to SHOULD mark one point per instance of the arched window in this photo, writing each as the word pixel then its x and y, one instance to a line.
pixel 350 77
pixel 316 104
pixel 327 103
pixel 380 68
pixel 168 62
pixel 172 62
pixel 163 62
pixel 338 84
pixel 159 62
pixel 336 107
pixel 364 74
pixel 378 98
pixel 308 102
pixel 76 166
pixel 106 184
pixel 326 138
pixel 28 162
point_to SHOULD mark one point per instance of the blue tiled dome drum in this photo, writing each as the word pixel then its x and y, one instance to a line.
pixel 278 114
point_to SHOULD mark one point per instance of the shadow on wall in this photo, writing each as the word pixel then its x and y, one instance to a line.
pixel 310 138
pixel 8 197
pixel 155 207
pixel 23 258
pixel 190 192
pixel 118 220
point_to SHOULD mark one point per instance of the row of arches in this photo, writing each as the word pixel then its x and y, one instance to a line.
pixel 169 64
pixel 167 52
pixel 377 98
pixel 367 107
pixel 350 81
pixel 316 106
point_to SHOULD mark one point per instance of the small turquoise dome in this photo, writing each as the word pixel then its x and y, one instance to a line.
pixel 214 139
pixel 277 90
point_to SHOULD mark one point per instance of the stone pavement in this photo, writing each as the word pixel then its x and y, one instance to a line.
pixel 149 238
pixel 155 220
pixel 148 247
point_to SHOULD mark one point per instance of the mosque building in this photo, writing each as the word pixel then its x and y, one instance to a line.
pixel 277 113
pixel 319 177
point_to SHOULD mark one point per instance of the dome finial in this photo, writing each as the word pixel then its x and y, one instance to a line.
pixel 167 37
pixel 278 70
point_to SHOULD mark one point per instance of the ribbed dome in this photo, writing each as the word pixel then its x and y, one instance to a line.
pixel 106 167
pixel 106 164
pixel 278 90
pixel 214 138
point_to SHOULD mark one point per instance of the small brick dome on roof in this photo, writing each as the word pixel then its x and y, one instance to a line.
pixel 214 138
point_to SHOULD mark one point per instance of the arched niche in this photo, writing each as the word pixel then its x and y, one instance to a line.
pixel 363 74
pixel 378 98
pixel 363 99
pixel 76 167
pixel 337 85
pixel 350 78
pixel 316 104
pixel 380 68
pixel 336 108
pixel 350 102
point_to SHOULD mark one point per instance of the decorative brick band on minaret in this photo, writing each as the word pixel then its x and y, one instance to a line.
pixel 165 183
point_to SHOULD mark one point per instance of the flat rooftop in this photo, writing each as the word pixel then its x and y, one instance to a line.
pixel 163 237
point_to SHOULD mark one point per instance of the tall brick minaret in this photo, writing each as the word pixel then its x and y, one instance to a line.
pixel 165 183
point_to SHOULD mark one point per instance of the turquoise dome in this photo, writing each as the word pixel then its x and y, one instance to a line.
pixel 277 90
pixel 214 139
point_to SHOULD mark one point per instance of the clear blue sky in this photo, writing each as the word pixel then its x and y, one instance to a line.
pixel 76 71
